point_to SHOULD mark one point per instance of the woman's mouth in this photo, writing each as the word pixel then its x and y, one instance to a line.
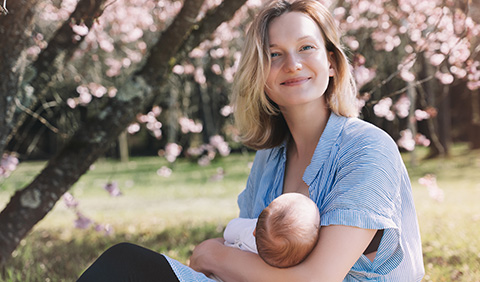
pixel 295 81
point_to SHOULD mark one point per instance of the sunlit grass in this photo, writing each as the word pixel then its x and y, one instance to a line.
pixel 171 215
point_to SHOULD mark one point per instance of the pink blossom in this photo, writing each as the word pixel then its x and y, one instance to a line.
pixel 97 90
pixel 189 69
pixel 382 109
pixel 226 111
pixel 112 92
pixel 132 35
pixel 80 29
pixel 172 151
pixel 84 98
pixel 218 176
pixel 219 143
pixel 188 125
pixel 421 115
pixel 195 151
pixel 228 74
pixel 82 222
pixel 199 76
pixel 430 181
pixel 363 75
pixel 204 161
pixel 72 103
pixel 156 110
pixel 402 106
pixel 216 69
pixel 178 69
pixel 437 59
pixel 406 140
pixel 473 85
pixel 407 75
pixel 420 139
pixel 197 53
pixel 133 128
pixel 164 171
pixel 69 200
pixel 107 228
pixel 33 51
pixel 106 45
pixel 444 78
pixel 112 189
pixel 8 164
pixel 458 72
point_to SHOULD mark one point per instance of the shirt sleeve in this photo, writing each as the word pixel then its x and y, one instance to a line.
pixel 366 190
pixel 248 198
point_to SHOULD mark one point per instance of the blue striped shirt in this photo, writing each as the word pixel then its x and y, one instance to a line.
pixel 357 178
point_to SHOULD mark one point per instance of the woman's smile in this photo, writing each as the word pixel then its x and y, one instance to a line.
pixel 295 81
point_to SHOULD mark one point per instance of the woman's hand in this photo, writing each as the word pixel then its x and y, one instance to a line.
pixel 204 255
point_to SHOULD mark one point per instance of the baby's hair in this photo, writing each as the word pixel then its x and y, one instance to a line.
pixel 287 230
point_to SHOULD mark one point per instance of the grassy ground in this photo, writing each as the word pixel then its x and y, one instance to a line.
pixel 171 215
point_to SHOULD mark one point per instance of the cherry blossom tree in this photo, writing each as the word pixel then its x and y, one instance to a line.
pixel 79 30
pixel 418 51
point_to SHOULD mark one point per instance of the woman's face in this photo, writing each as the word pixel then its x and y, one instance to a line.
pixel 300 70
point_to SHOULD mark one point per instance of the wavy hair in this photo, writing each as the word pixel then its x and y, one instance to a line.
pixel 258 119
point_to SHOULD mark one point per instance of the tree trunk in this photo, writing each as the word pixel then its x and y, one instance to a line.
pixel 444 119
pixel 14 31
pixel 412 125
pixel 30 205
pixel 474 131
pixel 123 147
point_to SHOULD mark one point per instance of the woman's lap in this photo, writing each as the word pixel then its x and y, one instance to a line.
pixel 129 262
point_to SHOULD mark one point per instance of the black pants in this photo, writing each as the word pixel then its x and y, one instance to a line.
pixel 128 262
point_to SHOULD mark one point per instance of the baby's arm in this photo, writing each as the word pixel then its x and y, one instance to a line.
pixel 239 234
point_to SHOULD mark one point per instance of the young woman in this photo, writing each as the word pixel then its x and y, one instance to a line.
pixel 295 103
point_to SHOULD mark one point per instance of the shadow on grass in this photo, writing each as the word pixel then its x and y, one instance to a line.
pixel 48 256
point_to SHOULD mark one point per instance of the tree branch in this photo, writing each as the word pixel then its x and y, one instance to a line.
pixel 208 25
pixel 52 59
pixel 177 32
pixel 3 8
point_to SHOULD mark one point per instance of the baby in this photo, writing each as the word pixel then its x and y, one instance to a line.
pixel 284 234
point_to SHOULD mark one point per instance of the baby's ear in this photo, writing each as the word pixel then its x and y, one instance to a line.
pixel 254 232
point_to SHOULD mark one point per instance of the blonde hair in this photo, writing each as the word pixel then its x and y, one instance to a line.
pixel 287 230
pixel 258 119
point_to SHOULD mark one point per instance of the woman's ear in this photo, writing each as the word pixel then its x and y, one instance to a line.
pixel 331 69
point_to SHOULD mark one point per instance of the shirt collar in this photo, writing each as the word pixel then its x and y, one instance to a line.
pixel 324 147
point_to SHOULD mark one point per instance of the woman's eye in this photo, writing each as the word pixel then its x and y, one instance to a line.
pixel 305 48
pixel 273 55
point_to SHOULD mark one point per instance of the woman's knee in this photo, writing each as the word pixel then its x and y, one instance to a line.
pixel 120 249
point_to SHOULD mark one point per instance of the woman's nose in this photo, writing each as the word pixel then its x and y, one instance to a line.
pixel 292 63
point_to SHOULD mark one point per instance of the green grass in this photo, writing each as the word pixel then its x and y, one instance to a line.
pixel 172 215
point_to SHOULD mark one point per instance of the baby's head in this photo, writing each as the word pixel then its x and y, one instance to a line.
pixel 287 230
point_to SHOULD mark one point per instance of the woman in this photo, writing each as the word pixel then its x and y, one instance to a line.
pixel 295 103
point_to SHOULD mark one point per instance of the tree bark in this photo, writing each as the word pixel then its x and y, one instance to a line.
pixel 14 29
pixel 474 131
pixel 51 60
pixel 29 205
pixel 445 119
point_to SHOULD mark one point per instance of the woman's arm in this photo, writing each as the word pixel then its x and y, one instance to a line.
pixel 338 248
